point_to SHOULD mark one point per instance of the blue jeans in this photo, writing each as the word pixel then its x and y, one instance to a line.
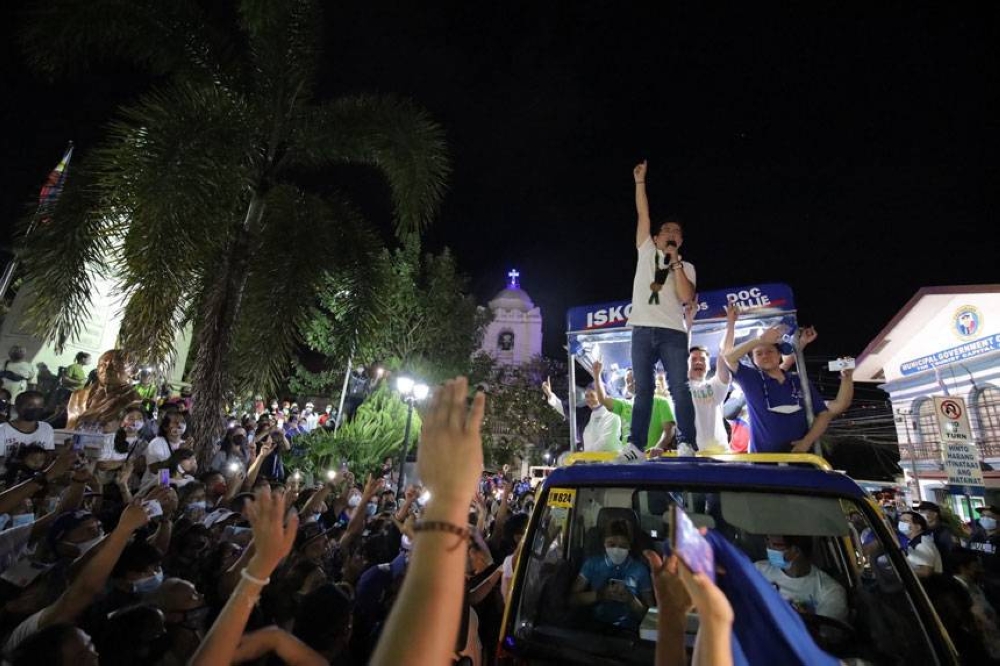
pixel 670 347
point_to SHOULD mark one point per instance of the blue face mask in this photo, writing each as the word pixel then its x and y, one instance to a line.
pixel 904 528
pixel 148 584
pixel 988 523
pixel 777 559
pixel 19 519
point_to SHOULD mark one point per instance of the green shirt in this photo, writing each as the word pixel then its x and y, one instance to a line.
pixel 662 413
pixel 75 377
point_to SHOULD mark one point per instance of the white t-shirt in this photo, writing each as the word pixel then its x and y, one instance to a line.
pixel 22 368
pixel 603 431
pixel 157 451
pixel 669 312
pixel 12 439
pixel 817 592
pixel 708 396
pixel 925 554
pixel 14 544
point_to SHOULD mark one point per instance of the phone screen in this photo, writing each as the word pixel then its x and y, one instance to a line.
pixel 164 477
pixel 690 545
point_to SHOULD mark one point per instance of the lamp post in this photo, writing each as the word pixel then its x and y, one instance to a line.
pixel 411 392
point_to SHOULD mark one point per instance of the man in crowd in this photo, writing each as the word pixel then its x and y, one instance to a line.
pixel 660 429
pixel 942 535
pixel 807 587
pixel 17 373
pixel 662 285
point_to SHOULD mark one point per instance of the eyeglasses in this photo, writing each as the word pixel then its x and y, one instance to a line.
pixel 782 409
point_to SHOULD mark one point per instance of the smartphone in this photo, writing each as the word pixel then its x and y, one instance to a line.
pixel 691 546
pixel 841 364
pixel 164 477
pixel 153 508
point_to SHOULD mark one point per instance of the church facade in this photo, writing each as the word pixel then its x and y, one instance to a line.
pixel 514 336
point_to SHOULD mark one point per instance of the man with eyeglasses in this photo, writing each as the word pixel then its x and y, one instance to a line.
pixel 775 399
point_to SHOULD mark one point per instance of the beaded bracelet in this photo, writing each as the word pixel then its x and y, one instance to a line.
pixel 440 526
pixel 254 580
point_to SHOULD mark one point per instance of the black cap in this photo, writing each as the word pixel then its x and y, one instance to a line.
pixel 309 532
pixel 989 507
pixel 928 506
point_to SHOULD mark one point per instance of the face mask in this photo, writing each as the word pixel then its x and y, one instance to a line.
pixel 85 546
pixel 195 506
pixel 30 413
pixel 148 584
pixel 371 509
pixel 904 528
pixel 182 428
pixel 988 523
pixel 132 425
pixel 616 555
pixel 354 500
pixel 239 440
pixel 785 409
pixel 19 519
pixel 777 559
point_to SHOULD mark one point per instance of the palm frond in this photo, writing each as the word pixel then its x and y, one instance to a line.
pixel 62 253
pixel 390 133
pixel 175 188
pixel 305 236
pixel 63 36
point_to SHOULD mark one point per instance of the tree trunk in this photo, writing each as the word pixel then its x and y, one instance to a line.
pixel 217 317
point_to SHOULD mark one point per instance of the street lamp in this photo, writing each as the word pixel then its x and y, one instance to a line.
pixel 410 392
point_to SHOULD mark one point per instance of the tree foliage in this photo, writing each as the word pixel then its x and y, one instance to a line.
pixel 198 198
pixel 409 311
pixel 376 431
pixel 518 423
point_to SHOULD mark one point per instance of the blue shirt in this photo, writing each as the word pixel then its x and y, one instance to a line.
pixel 771 432
pixel 598 570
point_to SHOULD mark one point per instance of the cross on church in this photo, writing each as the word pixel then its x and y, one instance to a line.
pixel 513 275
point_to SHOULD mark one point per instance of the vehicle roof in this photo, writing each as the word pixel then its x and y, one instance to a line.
pixel 709 472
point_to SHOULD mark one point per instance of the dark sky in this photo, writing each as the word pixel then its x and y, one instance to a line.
pixel 844 150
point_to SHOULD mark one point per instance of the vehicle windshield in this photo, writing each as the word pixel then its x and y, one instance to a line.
pixel 820 553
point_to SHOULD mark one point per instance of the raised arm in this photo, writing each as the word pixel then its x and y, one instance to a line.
pixel 553 401
pixel 358 519
pixel 272 537
pixel 450 461
pixel 641 204
pixel 768 337
pixel 722 370
pixel 845 394
pixel 602 397
pixel 806 335
pixel 94 574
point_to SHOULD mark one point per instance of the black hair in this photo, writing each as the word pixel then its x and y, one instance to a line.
pixel 121 438
pixel 656 227
pixel 323 617
pixel 617 528
pixel 698 348
pixel 80 356
pixel 803 543
pixel 44 647
pixel 137 556
pixel 24 396
pixel 177 457
pixel 917 518
pixel 165 420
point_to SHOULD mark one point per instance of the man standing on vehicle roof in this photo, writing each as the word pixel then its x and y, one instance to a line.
pixel 661 423
pixel 775 401
pixel 663 283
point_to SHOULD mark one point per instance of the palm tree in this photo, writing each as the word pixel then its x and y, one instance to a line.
pixel 195 198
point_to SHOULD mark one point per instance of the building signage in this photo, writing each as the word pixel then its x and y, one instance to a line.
pixel 965 476
pixel 975 348
pixel 953 420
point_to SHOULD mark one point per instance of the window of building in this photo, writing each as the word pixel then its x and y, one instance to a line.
pixel 984 404
pixel 929 437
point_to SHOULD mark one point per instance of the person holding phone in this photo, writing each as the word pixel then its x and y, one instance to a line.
pixel 616 585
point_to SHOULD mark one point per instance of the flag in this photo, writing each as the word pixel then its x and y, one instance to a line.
pixel 54 183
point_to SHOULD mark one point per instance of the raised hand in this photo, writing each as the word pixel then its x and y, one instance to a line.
pixel 595 368
pixel 732 312
pixel 806 335
pixel 133 517
pixel 772 336
pixel 450 456
pixel 671 595
pixel 547 387
pixel 62 464
pixel 639 172
pixel 273 535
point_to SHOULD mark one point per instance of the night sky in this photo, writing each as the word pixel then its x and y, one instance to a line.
pixel 844 150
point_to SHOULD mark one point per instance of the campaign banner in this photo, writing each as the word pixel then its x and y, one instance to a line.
pixel 755 301
pixel 960 353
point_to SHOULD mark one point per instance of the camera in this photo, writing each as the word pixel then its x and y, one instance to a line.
pixel 841 364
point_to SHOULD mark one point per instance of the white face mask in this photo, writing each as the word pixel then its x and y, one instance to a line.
pixel 182 428
pixel 785 409
pixel 988 523
pixel 616 555
pixel 85 546
pixel 904 528
pixel 354 500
